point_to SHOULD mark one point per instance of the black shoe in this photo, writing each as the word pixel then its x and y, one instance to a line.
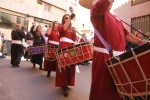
pixel 65 91
pixel 33 65
pixel 48 73
pixel 40 68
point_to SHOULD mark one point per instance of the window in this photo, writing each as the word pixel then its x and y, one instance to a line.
pixel 42 23
pixel 134 2
pixel 47 7
pixel 9 21
pixel 58 11
pixel 141 23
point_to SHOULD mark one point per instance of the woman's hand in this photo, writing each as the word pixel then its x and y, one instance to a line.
pixel 140 42
pixel 111 1
pixel 49 30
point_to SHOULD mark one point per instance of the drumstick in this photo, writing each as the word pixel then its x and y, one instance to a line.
pixel 78 32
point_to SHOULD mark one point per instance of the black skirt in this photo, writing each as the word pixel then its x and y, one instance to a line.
pixel 37 59
pixel 16 53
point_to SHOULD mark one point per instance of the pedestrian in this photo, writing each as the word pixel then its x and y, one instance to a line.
pixel 2 48
pixel 37 41
pixel 1 45
pixel 53 40
pixel 130 45
pixel 67 39
pixel 29 41
pixel 32 27
pixel 0 40
pixel 84 39
pixel 17 52
pixel 113 32
pixel 91 39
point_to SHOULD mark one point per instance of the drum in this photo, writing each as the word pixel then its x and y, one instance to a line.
pixel 71 56
pixel 36 50
pixel 131 73
pixel 50 53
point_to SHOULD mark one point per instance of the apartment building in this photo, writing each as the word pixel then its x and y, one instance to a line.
pixel 26 12
pixel 134 12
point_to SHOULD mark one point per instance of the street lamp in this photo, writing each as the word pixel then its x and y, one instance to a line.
pixel 27 17
pixel 27 20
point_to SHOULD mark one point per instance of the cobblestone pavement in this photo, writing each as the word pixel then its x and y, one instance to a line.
pixel 28 83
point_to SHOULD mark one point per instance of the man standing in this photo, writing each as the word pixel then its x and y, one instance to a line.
pixel 16 47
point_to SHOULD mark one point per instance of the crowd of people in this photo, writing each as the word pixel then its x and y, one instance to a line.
pixel 60 36
pixel 63 35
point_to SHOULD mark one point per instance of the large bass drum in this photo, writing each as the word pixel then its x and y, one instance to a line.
pixel 50 53
pixel 131 73
pixel 71 56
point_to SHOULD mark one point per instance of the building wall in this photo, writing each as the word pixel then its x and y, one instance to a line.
pixel 22 7
pixel 124 10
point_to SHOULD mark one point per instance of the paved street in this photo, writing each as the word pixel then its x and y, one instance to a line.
pixel 28 83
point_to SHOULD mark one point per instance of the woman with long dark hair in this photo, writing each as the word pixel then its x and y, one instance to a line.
pixel 53 40
pixel 67 39
pixel 38 41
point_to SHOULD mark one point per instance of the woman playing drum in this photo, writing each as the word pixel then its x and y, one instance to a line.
pixel 53 40
pixel 67 39
pixel 38 41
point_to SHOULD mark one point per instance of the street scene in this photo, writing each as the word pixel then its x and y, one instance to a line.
pixel 74 49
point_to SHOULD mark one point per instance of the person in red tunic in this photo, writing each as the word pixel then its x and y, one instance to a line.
pixel 113 32
pixel 67 39
pixel 85 40
pixel 53 40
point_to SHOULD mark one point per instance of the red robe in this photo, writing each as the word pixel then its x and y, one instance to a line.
pixel 51 65
pixel 82 40
pixel 67 76
pixel 112 30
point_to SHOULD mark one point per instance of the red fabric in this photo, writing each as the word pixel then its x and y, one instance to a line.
pixel 54 35
pixel 112 30
pixel 51 65
pixel 66 77
pixel 82 40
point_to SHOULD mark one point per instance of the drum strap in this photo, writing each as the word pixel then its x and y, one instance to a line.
pixel 65 39
pixel 103 50
pixel 16 42
pixel 53 42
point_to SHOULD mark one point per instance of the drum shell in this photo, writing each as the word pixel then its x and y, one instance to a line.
pixel 50 53
pixel 74 55
pixel 36 50
pixel 132 79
